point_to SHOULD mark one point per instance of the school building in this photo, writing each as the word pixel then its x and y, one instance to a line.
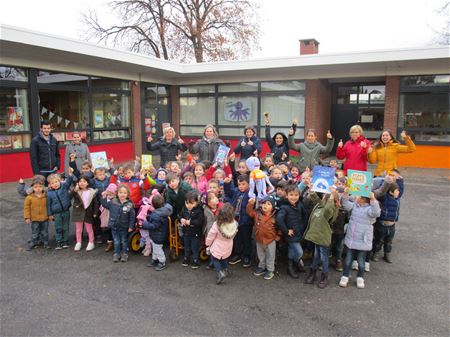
pixel 117 98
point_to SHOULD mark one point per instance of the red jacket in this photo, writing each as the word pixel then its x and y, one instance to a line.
pixel 134 184
pixel 355 155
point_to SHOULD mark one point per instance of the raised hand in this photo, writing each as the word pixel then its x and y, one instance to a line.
pixel 291 132
pixel 149 138
pixel 20 181
pixel 340 144
pixel 403 134
pixel 243 143
pixel 329 135
pixel 250 143
pixel 181 141
pixel 266 118
pixel 251 201
pixel 232 156
pixel 363 144
pixel 283 156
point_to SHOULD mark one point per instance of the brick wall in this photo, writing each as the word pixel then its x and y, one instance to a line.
pixel 391 103
pixel 318 107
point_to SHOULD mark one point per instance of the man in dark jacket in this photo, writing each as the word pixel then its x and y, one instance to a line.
pixel 44 151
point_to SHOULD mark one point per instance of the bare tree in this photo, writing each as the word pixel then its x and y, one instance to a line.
pixel 442 34
pixel 182 30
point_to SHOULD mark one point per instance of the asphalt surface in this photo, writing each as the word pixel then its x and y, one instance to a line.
pixel 64 293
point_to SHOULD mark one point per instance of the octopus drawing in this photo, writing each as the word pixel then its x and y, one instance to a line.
pixel 238 112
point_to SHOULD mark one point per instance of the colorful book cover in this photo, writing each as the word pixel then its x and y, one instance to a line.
pixel 98 119
pixel 221 154
pixel 99 159
pixel 146 161
pixel 322 179
pixel 359 183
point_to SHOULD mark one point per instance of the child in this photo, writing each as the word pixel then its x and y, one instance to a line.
pixel 109 194
pixel 265 235
pixel 192 219
pixel 337 228
pixel 284 166
pixel 280 194
pixel 176 192
pixel 144 211
pixel 24 191
pixel 268 163
pixel 121 221
pixel 86 168
pixel 58 205
pixel 200 181
pixel 85 208
pixel 242 168
pixel 188 177
pixel 35 214
pixel 319 232
pixel 161 176
pixel 211 210
pixel 220 240
pixel 242 247
pixel 295 173
pixel 101 183
pixel 359 235
pixel 276 175
pixel 175 167
pixel 157 225
pixel 291 220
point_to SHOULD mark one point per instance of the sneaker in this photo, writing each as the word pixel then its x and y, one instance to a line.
pixel 161 266
pixel 153 263
pixel 65 245
pixel 58 246
pixel 355 265
pixel 360 283
pixel 387 257
pixel 220 277
pixel 116 257
pixel 209 266
pixel 77 247
pixel 339 265
pixel 124 258
pixel 246 263
pixel 195 264
pixel 366 266
pixel 185 262
pixel 259 271
pixel 90 246
pixel 109 246
pixel 46 246
pixel 31 247
pixel 227 272
pixel 268 275
pixel 235 260
pixel 301 266
pixel 343 282
pixel 375 257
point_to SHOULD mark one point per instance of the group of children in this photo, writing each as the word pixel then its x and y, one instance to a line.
pixel 222 207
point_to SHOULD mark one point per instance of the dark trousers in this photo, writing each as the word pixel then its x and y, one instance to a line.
pixel 192 247
pixel 336 245
pixel 39 233
pixel 242 242
pixel 383 236
pixel 219 264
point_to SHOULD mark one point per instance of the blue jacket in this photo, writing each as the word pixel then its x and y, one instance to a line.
pixel 44 155
pixel 233 195
pixel 247 150
pixel 292 217
pixel 390 206
pixel 121 215
pixel 59 200
pixel 157 224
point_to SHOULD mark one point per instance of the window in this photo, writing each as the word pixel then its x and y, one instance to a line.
pixel 283 86
pixel 197 89
pixel 109 84
pixel 111 110
pixel 238 87
pixel 155 109
pixel 13 74
pixel 67 80
pixel 237 111
pixel 197 110
pixel 425 81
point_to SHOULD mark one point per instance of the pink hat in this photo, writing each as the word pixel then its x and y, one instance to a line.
pixel 112 188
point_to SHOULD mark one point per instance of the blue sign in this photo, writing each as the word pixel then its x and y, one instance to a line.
pixel 322 179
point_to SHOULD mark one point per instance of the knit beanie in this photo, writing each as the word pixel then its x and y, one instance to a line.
pixel 112 188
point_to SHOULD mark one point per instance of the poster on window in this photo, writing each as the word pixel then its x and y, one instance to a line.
pixel 15 118
pixel 237 110
pixel 69 135
pixel 5 142
pixel 322 179
pixel 359 183
pixel 98 119
pixel 99 159
pixel 16 142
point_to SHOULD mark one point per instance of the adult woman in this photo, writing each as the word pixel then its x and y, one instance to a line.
pixel 354 151
pixel 386 150
pixel 207 146
pixel 248 145
pixel 80 150
pixel 278 143
pixel 310 150
pixel 167 145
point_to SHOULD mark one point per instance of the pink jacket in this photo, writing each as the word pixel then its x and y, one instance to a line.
pixel 220 239
pixel 201 185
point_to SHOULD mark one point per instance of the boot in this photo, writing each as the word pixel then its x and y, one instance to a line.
pixel 376 257
pixel 291 271
pixel 300 266
pixel 312 276
pixel 109 246
pixel 387 257
pixel 220 277
pixel 339 265
pixel 323 280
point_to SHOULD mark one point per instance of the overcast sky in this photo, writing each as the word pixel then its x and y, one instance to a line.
pixel 339 26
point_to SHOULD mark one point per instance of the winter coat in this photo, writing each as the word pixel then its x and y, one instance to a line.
pixel 355 156
pixel 157 224
pixel 197 221
pixel 35 208
pixel 265 226
pixel 80 213
pixel 342 217
pixel 220 239
pixel 310 153
pixel 100 186
pixel 292 217
pixel 246 151
pixel 201 185
pixel 385 155
pixel 44 155
pixel 319 224
pixel 177 199
pixel 390 206
pixel 134 184
pixel 210 217
pixel 121 215
pixel 82 152
pixel 233 196
pixel 167 151
pixel 205 148
pixel 59 200
pixel 359 233
pixel 277 150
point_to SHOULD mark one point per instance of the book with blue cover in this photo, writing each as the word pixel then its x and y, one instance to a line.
pixel 322 179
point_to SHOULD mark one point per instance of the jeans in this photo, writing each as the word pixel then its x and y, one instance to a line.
pixel 242 242
pixel 320 253
pixel 383 236
pixel 352 254
pixel 295 251
pixel 192 247
pixel 219 264
pixel 62 227
pixel 336 245
pixel 39 233
pixel 120 238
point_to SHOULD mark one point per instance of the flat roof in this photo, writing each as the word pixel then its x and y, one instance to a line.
pixel 28 48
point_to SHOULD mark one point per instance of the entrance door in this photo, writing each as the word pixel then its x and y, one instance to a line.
pixel 343 116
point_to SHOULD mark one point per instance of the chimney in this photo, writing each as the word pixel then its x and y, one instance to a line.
pixel 309 46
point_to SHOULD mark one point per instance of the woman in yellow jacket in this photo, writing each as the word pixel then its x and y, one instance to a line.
pixel 386 150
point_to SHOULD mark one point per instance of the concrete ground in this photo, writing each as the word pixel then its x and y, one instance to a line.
pixel 63 293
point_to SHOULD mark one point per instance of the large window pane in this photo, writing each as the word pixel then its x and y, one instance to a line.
pixel 282 86
pixel 230 132
pixel 64 109
pixel 111 110
pixel 111 134
pixel 238 87
pixel 299 132
pixel 192 130
pixel 14 114
pixel 283 109
pixel 197 110
pixel 50 77
pixel 237 111
pixel 371 120
pixel 109 83
pixel 13 74
pixel 15 142
pixel 197 89
pixel 425 80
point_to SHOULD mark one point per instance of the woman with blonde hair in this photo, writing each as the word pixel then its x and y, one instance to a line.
pixel 354 151
pixel 167 145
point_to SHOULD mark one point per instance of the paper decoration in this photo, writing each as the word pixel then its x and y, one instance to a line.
pixel 15 119
pixel 44 110
pixel 148 122
pixel 322 179
pixel 16 142
pixel 50 115
pixel 98 119
pixel 359 183
pixel 165 126
pixel 59 136
pixel 58 119
pixel 99 159
pixel 75 124
pixel 5 142
pixel 67 122
pixel 146 161
pixel 221 154
pixel 237 110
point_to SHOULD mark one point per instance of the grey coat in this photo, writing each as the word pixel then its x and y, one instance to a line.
pixel 359 233
pixel 206 150
pixel 310 153
pixel 82 152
